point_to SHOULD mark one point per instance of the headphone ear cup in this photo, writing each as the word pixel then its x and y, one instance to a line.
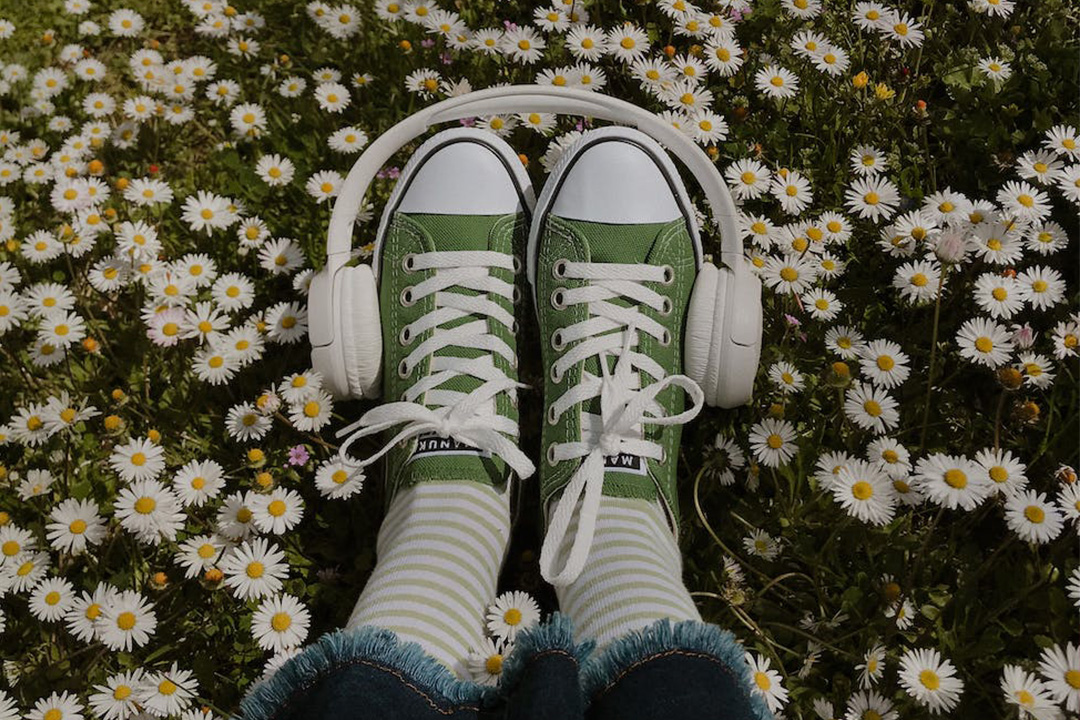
pixel 360 331
pixel 701 321
pixel 740 344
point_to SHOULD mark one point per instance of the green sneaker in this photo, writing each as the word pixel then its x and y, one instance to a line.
pixel 613 255
pixel 448 265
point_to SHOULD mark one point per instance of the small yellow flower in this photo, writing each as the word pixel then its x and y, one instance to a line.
pixel 860 81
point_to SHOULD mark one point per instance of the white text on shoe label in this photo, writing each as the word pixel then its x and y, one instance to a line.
pixel 624 463
pixel 430 445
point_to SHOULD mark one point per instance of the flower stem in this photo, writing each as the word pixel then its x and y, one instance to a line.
pixel 933 357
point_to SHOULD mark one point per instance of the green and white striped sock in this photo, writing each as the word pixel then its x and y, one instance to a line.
pixel 632 577
pixel 440 549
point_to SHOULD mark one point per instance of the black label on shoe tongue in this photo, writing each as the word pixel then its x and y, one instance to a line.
pixel 432 444
pixel 622 462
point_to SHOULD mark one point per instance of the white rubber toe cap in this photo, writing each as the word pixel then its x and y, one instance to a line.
pixel 458 175
pixel 616 181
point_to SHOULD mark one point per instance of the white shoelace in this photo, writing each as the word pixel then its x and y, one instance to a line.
pixel 625 406
pixel 468 418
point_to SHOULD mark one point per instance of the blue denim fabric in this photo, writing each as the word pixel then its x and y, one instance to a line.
pixel 678 671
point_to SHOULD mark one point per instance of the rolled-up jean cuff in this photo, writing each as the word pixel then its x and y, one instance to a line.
pixel 363 673
pixel 687 669
pixel 541 677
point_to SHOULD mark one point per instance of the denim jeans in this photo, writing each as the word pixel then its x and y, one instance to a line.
pixel 678 671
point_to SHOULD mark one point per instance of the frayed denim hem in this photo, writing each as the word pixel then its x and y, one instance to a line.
pixel 369 643
pixel 639 646
pixel 555 635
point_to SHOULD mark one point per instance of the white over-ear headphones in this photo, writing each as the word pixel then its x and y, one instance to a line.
pixel 723 327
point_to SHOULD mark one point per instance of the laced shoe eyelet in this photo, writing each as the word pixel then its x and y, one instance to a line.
pixel 517 265
pixel 556 376
pixel 557 340
pixel 665 339
pixel 408 263
pixel 663 455
pixel 403 370
pixel 558 297
pixel 667 307
pixel 669 275
pixel 407 299
pixel 405 336
pixel 551 455
pixel 516 295
pixel 552 418
pixel 514 327
pixel 514 361
pixel 558 270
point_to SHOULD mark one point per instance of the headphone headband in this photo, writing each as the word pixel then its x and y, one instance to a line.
pixel 531 98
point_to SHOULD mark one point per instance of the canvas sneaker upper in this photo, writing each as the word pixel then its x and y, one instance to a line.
pixel 611 296
pixel 449 292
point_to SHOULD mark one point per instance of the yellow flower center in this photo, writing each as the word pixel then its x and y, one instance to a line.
pixel 311 409
pixel 1072 677
pixel 255 569
pixel 776 81
pixel 77 527
pixel 1039 286
pixel 512 616
pixel 627 43
pixel 762 681
pixel 122 692
pixel 216 361
pixel 138 459
pixel 956 478
pixel 125 620
pixel 872 408
pixel 166 687
pixel 774 441
pixel 1025 200
pixel 885 363
pixel 929 679
pixel 281 622
pixel 339 476
pixel 276 508
pixel 871 198
pixel 862 490
pixel 53 714
pixel 984 344
pixel 145 505
pixel 1034 514
pixel 821 304
pixel 789 274
pixel 206 551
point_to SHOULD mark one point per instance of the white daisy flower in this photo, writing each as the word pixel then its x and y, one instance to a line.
pixel 1045 287
pixel 871 408
pixel 115 699
pixel 845 341
pixel 776 82
pixel 773 442
pixel 1006 474
pixel 150 511
pixel 167 693
pixel 767 682
pixel 58 706
pixel 874 198
pixel 138 459
pixel 198 481
pixel 485 663
pixel 985 342
pixel 885 363
pixel 864 491
pixel 761 544
pixel 275 170
pixel 200 553
pixel 828 467
pixel 512 613
pixel 1027 693
pixel 337 479
pixel 245 423
pixel 126 621
pixel 51 599
pixel 918 281
pixel 254 569
pixel 1032 517
pixel 952 481
pixel 1060 669
pixel 73 525
pixel 280 622
pixel 930 680
pixel 234 517
pixel 872 667
pixel 277 511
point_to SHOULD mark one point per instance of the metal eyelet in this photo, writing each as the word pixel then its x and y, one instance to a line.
pixel 552 418
pixel 403 370
pixel 557 341
pixel 557 298
pixel 667 307
pixel 408 263
pixel 405 335
pixel 558 270
pixel 669 275
pixel 551 455
pixel 406 298
pixel 665 339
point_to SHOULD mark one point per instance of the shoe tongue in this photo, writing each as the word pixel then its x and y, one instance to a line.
pixel 612 243
pixel 444 458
